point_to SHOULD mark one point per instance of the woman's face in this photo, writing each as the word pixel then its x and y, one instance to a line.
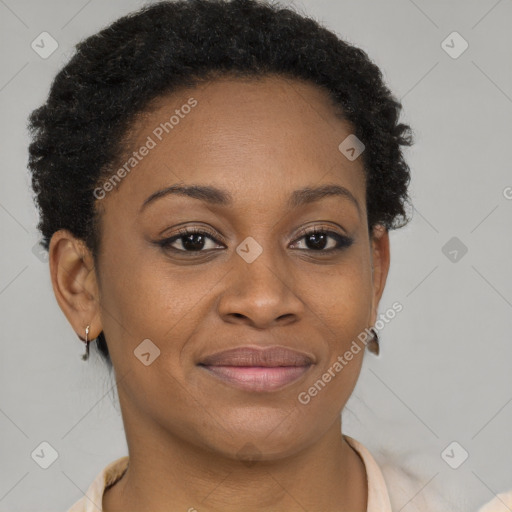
pixel 252 278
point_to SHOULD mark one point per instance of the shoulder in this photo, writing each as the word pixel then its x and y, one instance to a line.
pixel 378 497
pixel 406 488
pixel 93 498
pixel 501 503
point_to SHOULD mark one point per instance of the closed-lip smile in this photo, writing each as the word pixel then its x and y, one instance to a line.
pixel 258 369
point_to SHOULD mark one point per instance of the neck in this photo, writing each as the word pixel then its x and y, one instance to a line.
pixel 164 470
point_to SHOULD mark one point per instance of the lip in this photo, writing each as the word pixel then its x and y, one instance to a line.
pixel 258 369
pixel 257 356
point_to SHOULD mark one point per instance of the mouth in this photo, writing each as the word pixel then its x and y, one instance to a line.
pixel 256 369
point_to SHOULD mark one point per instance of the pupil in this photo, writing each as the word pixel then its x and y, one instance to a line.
pixel 319 240
pixel 189 244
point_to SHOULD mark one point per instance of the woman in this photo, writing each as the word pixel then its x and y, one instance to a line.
pixel 216 183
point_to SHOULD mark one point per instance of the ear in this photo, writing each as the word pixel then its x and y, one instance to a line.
pixel 74 283
pixel 380 260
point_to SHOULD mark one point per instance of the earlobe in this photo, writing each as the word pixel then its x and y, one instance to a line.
pixel 74 282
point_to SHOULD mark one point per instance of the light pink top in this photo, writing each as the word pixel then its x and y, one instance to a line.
pixel 378 499
pixel 501 503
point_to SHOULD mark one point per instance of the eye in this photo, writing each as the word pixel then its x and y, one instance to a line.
pixel 190 239
pixel 317 239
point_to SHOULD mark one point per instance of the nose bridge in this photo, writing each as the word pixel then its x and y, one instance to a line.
pixel 260 286
pixel 260 265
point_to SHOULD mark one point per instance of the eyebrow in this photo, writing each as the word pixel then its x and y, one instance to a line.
pixel 215 196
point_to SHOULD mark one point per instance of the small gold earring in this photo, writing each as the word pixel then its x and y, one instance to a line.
pixel 85 356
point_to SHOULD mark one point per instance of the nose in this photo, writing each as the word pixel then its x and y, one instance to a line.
pixel 262 293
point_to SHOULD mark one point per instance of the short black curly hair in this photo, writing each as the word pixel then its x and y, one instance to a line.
pixel 82 129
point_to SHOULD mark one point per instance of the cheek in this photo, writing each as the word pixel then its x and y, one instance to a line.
pixel 342 296
pixel 329 389
pixel 341 302
pixel 144 297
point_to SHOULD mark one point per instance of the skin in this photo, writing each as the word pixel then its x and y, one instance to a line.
pixel 260 141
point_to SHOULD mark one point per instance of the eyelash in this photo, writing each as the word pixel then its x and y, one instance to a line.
pixel 343 241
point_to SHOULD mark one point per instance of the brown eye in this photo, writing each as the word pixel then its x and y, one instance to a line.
pixel 318 240
pixel 191 240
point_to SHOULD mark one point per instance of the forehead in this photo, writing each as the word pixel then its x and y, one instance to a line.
pixel 257 138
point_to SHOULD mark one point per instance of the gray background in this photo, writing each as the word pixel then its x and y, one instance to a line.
pixel 444 373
